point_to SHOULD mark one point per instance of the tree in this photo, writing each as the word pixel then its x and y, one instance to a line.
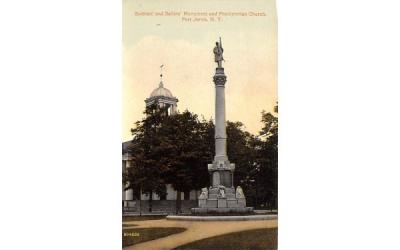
pixel 206 148
pixel 145 174
pixel 267 158
pixel 256 159
pixel 185 151
pixel 241 151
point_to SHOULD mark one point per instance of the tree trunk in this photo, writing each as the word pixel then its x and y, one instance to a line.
pixel 151 201
pixel 140 201
pixel 255 207
pixel 178 202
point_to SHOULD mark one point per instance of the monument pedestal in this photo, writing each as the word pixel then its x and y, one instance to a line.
pixel 227 204
pixel 241 210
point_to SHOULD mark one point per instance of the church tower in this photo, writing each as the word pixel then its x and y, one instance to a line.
pixel 163 97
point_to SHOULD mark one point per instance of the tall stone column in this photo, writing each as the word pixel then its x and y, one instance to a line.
pixel 221 170
pixel 220 127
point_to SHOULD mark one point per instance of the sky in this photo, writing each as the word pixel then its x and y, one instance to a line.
pixel 185 49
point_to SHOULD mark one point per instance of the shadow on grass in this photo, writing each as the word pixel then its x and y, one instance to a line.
pixel 144 217
pixel 256 239
pixel 134 236
pixel 128 225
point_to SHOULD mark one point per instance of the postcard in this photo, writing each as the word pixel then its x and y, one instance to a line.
pixel 200 124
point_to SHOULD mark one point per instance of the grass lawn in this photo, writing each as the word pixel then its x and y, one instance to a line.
pixel 136 235
pixel 128 225
pixel 224 214
pixel 256 239
pixel 234 214
pixel 144 217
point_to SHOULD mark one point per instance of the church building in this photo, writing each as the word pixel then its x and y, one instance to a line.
pixel 163 97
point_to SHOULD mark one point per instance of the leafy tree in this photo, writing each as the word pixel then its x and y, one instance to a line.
pixel 239 150
pixel 147 167
pixel 186 151
pixel 256 159
pixel 206 149
pixel 267 159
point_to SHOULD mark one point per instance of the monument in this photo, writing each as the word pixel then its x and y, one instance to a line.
pixel 221 196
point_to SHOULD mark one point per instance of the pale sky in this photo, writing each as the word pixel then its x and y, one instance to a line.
pixel 185 48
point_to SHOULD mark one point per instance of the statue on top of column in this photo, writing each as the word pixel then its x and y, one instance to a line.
pixel 218 50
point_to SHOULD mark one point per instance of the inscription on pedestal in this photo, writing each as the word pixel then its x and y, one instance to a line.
pixel 216 179
pixel 222 203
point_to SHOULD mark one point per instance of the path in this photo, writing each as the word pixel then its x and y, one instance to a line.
pixel 196 230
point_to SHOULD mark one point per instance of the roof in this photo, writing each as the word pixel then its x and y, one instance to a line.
pixel 161 91
pixel 125 146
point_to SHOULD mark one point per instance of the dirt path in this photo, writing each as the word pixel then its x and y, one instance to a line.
pixel 196 230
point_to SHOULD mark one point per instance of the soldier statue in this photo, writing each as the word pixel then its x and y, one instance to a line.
pixel 218 50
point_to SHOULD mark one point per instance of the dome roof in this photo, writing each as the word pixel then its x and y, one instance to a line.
pixel 161 91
